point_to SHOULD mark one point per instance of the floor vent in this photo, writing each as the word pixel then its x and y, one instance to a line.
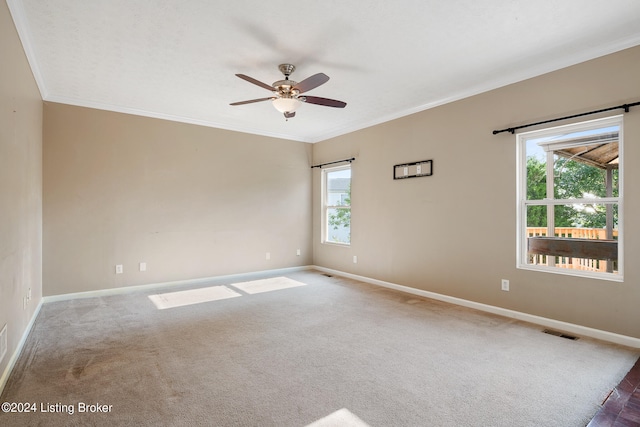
pixel 3 342
pixel 559 334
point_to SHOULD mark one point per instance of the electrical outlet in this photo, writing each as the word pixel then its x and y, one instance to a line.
pixel 119 269
pixel 29 295
pixel 505 285
pixel 24 303
pixel 298 252
pixel 268 256
pixel 355 259
pixel 143 266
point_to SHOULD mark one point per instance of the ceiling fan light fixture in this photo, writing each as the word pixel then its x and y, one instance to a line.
pixel 286 105
pixel 285 93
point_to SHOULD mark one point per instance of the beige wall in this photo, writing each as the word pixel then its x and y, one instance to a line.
pixel 455 233
pixel 190 201
pixel 20 187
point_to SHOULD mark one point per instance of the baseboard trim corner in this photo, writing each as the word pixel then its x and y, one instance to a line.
pixel 525 317
pixel 14 357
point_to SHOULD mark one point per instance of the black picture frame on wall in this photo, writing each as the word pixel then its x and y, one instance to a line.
pixel 413 170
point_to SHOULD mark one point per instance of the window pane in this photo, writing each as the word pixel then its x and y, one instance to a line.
pixel 339 225
pixel 537 218
pixel 339 188
pixel 536 226
pixel 578 173
pixel 570 246
pixel 588 216
pixel 584 162
pixel 536 171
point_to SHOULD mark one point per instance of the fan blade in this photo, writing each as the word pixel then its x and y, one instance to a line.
pixel 323 101
pixel 311 82
pixel 288 115
pixel 255 82
pixel 251 101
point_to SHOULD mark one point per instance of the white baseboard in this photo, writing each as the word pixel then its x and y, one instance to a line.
pixel 177 283
pixel 14 358
pixel 538 320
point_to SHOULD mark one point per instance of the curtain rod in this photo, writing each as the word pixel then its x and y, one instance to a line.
pixel 331 163
pixel 513 129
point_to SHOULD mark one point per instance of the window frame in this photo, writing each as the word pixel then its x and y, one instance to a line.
pixel 523 203
pixel 326 207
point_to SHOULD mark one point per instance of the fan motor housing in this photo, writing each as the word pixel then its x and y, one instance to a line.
pixel 283 87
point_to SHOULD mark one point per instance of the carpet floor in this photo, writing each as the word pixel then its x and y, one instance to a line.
pixel 300 350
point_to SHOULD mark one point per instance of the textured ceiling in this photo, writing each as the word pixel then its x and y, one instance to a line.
pixel 177 59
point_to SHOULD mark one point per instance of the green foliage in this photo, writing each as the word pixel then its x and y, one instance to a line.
pixel 536 190
pixel 342 217
pixel 572 180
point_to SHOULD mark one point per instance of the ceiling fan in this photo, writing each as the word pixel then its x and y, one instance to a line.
pixel 287 93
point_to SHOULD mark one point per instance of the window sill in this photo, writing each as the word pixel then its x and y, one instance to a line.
pixel 611 277
pixel 343 245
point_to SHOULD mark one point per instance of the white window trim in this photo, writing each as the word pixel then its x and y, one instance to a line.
pixel 521 192
pixel 326 207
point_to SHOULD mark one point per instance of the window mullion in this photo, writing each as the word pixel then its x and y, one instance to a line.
pixel 609 208
pixel 551 223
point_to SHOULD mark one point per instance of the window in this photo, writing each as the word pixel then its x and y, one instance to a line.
pixel 336 205
pixel 570 199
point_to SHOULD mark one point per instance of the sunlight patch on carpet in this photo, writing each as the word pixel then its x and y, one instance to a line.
pixel 341 418
pixel 192 296
pixel 268 285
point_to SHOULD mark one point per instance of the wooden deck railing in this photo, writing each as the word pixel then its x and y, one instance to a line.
pixel 576 233
pixel 583 264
